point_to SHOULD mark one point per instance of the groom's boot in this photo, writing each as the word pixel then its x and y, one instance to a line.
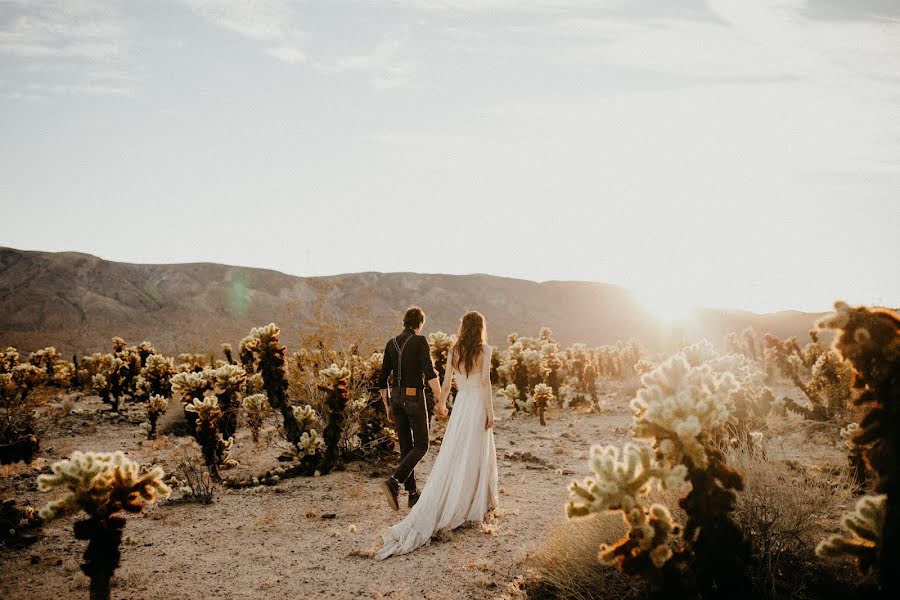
pixel 391 490
pixel 413 498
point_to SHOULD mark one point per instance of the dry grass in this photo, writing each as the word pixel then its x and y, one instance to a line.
pixel 784 511
pixel 566 566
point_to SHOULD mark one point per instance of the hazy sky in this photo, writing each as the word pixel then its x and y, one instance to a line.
pixel 726 153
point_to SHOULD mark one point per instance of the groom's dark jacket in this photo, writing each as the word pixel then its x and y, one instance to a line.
pixel 416 368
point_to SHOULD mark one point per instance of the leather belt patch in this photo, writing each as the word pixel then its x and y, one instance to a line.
pixel 411 391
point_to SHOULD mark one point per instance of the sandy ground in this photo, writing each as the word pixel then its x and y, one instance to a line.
pixel 276 543
pixel 295 539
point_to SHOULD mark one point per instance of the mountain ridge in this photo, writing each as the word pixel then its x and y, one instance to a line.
pixel 77 301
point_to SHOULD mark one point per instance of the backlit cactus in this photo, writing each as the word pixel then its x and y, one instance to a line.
pixel 156 406
pixel 682 409
pixel 228 380
pixel 511 393
pixel 192 385
pixel 158 372
pixel 827 374
pixel 263 349
pixel 864 543
pixel 870 339
pixel 621 481
pixel 542 397
pixel 256 409
pixel 18 440
pixel 334 382
pixel 102 485
pixel 215 448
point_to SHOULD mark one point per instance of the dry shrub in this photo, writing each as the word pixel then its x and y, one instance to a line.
pixel 566 565
pixel 192 479
pixel 781 511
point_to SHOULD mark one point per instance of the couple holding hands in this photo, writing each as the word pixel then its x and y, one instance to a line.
pixel 462 486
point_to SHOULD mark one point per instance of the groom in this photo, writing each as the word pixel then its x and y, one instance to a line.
pixel 408 357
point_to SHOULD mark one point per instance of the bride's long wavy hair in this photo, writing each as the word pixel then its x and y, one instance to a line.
pixel 471 336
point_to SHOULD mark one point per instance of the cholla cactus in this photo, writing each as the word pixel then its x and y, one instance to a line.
pixel 643 367
pixel 334 382
pixel 306 417
pixel 263 349
pixel 227 351
pixel 157 372
pixel 215 448
pixel 681 410
pixel 542 397
pixel 228 381
pixel 310 444
pixel 680 406
pixel 621 481
pixel 866 527
pixel 57 371
pixel 156 406
pixel 101 484
pixel 192 385
pixel 827 391
pixel 440 344
pixel 110 380
pixel 870 339
pixel 511 393
pixel 256 408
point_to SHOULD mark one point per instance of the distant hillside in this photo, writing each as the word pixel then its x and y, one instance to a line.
pixel 77 302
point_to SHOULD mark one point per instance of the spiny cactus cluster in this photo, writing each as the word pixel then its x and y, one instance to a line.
pixel 821 373
pixel 263 350
pixel 18 440
pixel 622 479
pixel 256 409
pixel 542 397
pixel 228 381
pixel 682 410
pixel 59 372
pixel 440 344
pixel 215 447
pixel 102 485
pixel 334 381
pixel 572 374
pixel 870 339
pixel 156 406
pixel 865 525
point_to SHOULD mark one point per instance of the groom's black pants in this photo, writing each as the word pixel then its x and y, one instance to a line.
pixel 411 422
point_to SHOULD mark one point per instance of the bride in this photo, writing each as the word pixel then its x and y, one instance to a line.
pixel 463 482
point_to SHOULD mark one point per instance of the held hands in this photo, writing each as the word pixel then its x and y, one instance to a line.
pixel 440 410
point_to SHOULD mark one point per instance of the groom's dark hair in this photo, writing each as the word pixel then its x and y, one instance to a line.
pixel 414 317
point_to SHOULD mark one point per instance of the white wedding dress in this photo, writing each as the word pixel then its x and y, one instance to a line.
pixel 462 485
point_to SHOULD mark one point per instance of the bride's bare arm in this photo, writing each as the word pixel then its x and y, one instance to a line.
pixel 486 389
pixel 448 380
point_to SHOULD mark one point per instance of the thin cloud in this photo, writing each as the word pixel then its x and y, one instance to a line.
pixel 62 36
pixel 270 22
pixel 388 66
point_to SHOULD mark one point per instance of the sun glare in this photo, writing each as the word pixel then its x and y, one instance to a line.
pixel 666 305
